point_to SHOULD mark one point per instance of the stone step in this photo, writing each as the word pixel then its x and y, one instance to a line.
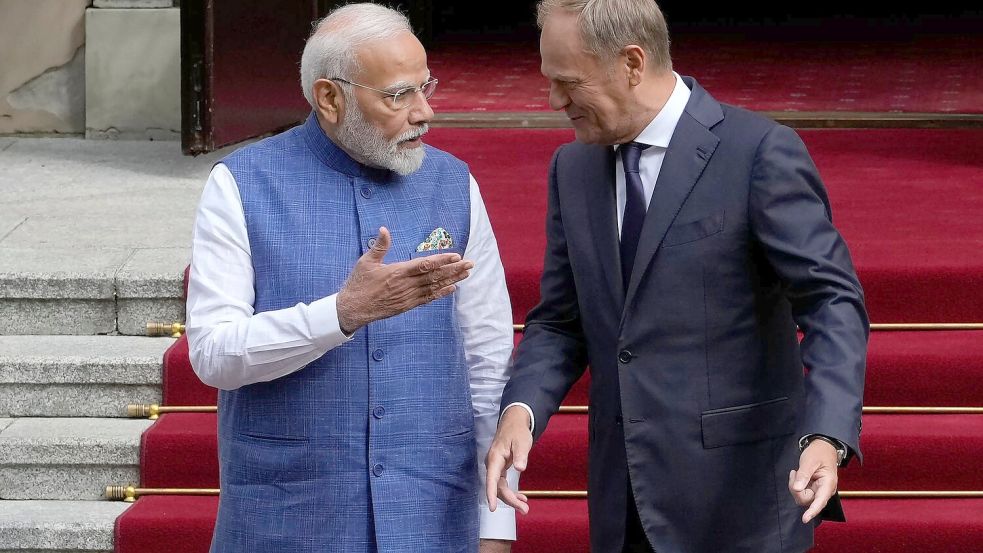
pixel 58 526
pixel 89 291
pixel 68 458
pixel 94 234
pixel 78 376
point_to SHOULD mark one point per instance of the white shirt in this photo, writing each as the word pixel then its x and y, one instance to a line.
pixel 657 135
pixel 232 346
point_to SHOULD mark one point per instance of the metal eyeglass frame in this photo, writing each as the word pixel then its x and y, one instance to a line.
pixel 396 97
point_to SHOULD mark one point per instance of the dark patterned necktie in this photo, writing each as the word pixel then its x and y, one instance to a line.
pixel 631 223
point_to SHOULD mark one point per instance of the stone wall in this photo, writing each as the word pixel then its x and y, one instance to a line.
pixel 106 68
pixel 42 83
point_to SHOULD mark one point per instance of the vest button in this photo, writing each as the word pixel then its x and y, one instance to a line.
pixel 378 469
pixel 378 355
pixel 366 192
pixel 625 356
pixel 379 412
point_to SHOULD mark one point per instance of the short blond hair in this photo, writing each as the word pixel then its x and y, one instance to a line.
pixel 607 26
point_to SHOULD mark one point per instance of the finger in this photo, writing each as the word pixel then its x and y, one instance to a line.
pixel 494 465
pixel 432 262
pixel 426 295
pixel 512 498
pixel 450 281
pixel 382 242
pixel 435 280
pixel 805 475
pixel 456 270
pixel 822 495
pixel 801 497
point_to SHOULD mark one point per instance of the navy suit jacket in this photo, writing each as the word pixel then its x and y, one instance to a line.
pixel 697 384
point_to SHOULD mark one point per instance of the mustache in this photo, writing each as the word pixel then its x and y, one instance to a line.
pixel 413 134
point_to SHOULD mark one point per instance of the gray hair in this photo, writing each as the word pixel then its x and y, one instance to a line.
pixel 330 50
pixel 607 26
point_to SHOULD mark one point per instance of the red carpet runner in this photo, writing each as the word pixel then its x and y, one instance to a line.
pixel 908 204
pixel 184 525
pixel 907 201
pixel 937 74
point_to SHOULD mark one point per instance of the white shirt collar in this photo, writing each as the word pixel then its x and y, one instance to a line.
pixel 659 131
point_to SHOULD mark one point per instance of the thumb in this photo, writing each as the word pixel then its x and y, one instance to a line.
pixel 382 242
pixel 802 478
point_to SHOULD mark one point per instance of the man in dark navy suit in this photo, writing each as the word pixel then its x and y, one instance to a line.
pixel 686 242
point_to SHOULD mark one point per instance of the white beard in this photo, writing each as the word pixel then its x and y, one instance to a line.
pixel 368 145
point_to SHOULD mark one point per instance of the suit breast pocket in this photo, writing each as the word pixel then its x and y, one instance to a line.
pixel 686 232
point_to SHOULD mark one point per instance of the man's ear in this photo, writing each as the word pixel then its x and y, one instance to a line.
pixel 634 59
pixel 329 100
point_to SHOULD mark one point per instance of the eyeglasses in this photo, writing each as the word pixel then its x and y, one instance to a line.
pixel 400 98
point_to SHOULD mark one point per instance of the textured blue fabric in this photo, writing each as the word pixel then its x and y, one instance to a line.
pixel 371 447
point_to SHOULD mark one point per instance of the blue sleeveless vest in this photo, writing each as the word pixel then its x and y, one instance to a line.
pixel 371 447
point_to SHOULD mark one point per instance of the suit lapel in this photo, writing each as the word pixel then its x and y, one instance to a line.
pixel 688 153
pixel 601 205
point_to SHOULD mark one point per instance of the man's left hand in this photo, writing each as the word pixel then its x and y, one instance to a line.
pixel 815 481
pixel 494 546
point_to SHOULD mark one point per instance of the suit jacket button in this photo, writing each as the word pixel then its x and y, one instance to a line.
pixel 625 356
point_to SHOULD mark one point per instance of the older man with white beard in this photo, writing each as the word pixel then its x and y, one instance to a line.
pixel 348 300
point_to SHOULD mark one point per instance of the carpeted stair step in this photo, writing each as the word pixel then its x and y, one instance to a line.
pixel 58 526
pixel 904 368
pixel 874 526
pixel 925 368
pixel 67 458
pixel 167 524
pixel 89 291
pixel 913 269
pixel 180 451
pixel 78 376
pixel 901 453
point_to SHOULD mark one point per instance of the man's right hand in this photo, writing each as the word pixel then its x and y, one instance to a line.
pixel 376 291
pixel 511 446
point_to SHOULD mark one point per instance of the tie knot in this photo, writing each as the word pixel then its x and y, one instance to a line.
pixel 630 154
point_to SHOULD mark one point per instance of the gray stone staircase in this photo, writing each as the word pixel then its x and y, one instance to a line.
pixel 94 239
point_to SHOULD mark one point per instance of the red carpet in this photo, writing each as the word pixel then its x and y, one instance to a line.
pixel 911 368
pixel 934 74
pixel 184 524
pixel 904 199
pixel 902 452
pixel 180 451
pixel 908 204
pixel 875 526
pixel 181 385
pixel 160 524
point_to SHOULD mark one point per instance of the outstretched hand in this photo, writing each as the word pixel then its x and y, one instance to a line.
pixel 376 291
pixel 510 448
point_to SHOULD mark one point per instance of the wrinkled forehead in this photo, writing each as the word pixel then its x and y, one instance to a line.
pixel 400 60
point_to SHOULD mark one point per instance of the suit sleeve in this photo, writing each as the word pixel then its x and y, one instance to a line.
pixel 790 217
pixel 552 355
